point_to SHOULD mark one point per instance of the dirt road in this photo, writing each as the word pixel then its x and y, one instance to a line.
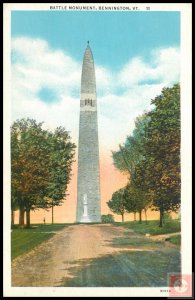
pixel 98 256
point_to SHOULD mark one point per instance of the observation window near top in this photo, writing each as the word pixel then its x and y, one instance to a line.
pixel 88 102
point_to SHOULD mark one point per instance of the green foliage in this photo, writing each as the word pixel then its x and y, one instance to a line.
pixel 135 198
pixel 163 150
pixel 117 203
pixel 132 154
pixel 107 218
pixel 151 156
pixel 29 157
pixel 40 165
pixel 61 158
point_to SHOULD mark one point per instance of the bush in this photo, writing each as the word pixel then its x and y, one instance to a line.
pixel 107 218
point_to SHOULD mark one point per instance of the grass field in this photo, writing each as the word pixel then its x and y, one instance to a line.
pixel 152 228
pixel 174 239
pixel 23 240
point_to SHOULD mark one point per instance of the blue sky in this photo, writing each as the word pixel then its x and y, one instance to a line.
pixel 136 54
pixel 115 37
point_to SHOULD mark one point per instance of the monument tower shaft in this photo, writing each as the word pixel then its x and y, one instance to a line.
pixel 88 185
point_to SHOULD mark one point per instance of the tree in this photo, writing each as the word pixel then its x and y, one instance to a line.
pixel 61 158
pixel 130 200
pixel 29 166
pixel 127 159
pixel 16 199
pixel 151 156
pixel 135 200
pixel 37 165
pixel 163 151
pixel 14 207
pixel 140 182
pixel 117 203
pixel 132 152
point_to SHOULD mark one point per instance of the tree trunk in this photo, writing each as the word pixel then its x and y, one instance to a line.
pixel 134 216
pixel 52 214
pixel 28 218
pixel 21 216
pixel 161 218
pixel 145 210
pixel 122 217
pixel 12 217
pixel 140 216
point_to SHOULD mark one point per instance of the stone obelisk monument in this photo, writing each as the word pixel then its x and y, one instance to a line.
pixel 88 186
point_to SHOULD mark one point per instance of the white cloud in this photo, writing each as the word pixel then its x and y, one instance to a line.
pixel 117 113
pixel 163 68
pixel 121 96
pixel 168 61
pixel 36 66
pixel 104 80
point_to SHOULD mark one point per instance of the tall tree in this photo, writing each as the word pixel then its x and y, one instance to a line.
pixel 17 200
pixel 61 158
pixel 30 167
pixel 132 152
pixel 163 151
pixel 130 200
pixel 34 174
pixel 14 194
pixel 151 155
pixel 129 156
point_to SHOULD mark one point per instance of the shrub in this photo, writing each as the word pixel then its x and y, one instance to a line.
pixel 107 218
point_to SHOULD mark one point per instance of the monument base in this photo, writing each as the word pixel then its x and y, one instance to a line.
pixel 85 219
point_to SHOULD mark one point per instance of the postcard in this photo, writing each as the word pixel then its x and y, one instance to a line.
pixel 97 150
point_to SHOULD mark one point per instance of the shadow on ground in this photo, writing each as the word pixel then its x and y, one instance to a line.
pixel 148 267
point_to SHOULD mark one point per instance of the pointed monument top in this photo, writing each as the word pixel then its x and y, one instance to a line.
pixel 88 72
pixel 88 46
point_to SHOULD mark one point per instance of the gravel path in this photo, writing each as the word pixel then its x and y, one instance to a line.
pixel 96 255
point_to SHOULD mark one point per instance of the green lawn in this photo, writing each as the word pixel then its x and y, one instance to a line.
pixel 174 239
pixel 152 227
pixel 23 240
